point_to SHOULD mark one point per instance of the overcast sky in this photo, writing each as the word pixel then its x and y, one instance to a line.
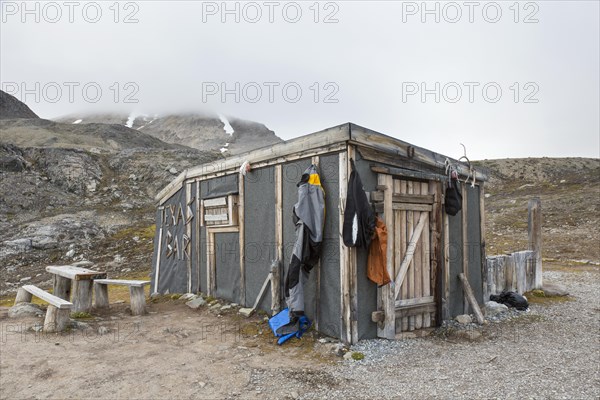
pixel 506 79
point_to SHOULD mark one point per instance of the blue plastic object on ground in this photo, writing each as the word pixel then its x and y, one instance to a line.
pixel 283 318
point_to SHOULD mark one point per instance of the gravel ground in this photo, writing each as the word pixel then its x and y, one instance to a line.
pixel 552 352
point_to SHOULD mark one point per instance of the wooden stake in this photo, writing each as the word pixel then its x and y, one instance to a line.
pixel 471 298
pixel 57 319
pixel 138 300
pixel 82 295
pixel 23 296
pixel 535 236
pixel 101 295
pixel 275 287
pixel 62 287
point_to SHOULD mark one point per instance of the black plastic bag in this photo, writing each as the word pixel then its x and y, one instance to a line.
pixel 453 199
pixel 511 299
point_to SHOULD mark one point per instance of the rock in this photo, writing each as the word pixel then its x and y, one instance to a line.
pixel 173 171
pixel 246 312
pixel 492 308
pixel 463 319
pixel 70 253
pixel 25 310
pixel 339 349
pixel 79 325
pixel 188 296
pixel 82 264
pixel 202 384
pixel 91 186
pixel 470 334
pixel 103 330
pixel 294 395
pixel 555 289
pixel 348 355
pixel 226 307
pixel 27 278
pixel 37 327
pixel 132 177
pixel 195 303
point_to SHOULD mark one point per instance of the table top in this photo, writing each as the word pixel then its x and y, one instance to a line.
pixel 75 273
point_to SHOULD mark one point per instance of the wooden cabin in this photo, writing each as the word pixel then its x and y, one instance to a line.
pixel 218 232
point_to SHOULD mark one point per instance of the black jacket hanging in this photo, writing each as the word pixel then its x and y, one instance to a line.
pixel 359 218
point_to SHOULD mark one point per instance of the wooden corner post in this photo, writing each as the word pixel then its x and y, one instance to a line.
pixel 534 225
pixel 387 329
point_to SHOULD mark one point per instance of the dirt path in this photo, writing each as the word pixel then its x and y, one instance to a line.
pixel 176 352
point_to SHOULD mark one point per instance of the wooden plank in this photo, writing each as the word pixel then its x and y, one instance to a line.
pixel 317 271
pixel 216 217
pixel 328 140
pixel 75 273
pixel 412 207
pixel 435 226
pixel 211 283
pixel 404 243
pixel 275 287
pixel 414 301
pixel 47 297
pixel 122 282
pixel 471 298
pixel 198 235
pixel 403 198
pixel 388 328
pixel 346 326
pixel 409 267
pixel 262 291
pixel 405 172
pixel 465 247
pixel 278 234
pixel 446 280
pixel 241 237
pixel 415 310
pixel 387 144
pixel 426 271
pixel 534 231
pixel 353 272
pixel 417 259
pixel 482 238
pixel 216 202
pixel 188 231
pixel 158 257
pixel 410 252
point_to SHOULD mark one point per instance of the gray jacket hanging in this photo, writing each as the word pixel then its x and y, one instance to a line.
pixel 309 216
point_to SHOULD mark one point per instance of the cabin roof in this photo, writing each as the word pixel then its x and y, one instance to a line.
pixel 332 139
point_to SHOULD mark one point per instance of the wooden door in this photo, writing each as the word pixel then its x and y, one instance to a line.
pixel 412 213
pixel 415 303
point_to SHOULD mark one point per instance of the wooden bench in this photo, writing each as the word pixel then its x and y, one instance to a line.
pixel 136 293
pixel 59 310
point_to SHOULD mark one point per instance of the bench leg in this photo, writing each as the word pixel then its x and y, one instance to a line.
pixel 138 300
pixel 101 295
pixel 57 319
pixel 82 295
pixel 62 287
pixel 23 296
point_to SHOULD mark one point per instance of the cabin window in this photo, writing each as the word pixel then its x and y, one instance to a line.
pixel 220 211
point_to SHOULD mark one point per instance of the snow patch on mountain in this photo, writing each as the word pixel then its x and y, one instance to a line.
pixel 226 125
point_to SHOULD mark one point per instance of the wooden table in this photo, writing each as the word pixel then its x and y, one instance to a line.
pixel 82 279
